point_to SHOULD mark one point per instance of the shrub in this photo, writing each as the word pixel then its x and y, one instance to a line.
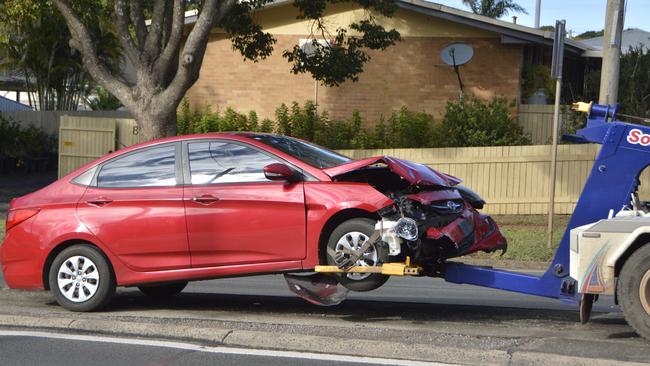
pixel 20 142
pixel 9 133
pixel 536 77
pixel 469 123
pixel 472 122
pixel 634 84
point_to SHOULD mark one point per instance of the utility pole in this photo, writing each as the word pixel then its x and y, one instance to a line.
pixel 538 8
pixel 556 73
pixel 609 75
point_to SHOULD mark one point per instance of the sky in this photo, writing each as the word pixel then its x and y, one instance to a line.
pixel 580 15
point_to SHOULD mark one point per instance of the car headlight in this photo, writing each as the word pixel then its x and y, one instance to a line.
pixel 407 229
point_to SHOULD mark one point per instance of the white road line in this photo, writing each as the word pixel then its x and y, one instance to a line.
pixel 220 349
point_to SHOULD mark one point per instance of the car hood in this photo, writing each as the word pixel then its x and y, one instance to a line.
pixel 414 173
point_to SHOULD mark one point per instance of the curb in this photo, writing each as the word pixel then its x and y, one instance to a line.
pixel 297 342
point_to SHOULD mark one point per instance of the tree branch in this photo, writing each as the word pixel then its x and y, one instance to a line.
pixel 213 12
pixel 82 41
pixel 137 18
pixel 170 52
pixel 122 24
pixel 152 42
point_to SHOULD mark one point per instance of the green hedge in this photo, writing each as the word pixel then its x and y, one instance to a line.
pixel 472 122
pixel 17 142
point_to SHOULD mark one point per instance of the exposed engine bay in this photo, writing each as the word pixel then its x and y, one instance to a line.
pixel 429 222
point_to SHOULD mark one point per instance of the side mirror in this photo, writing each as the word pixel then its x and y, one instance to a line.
pixel 278 171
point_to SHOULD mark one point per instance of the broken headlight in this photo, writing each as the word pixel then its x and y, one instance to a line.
pixel 407 229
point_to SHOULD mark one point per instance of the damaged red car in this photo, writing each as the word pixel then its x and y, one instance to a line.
pixel 162 213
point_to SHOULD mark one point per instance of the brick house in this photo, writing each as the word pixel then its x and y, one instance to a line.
pixel 409 74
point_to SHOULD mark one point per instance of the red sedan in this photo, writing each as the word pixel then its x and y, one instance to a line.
pixel 162 213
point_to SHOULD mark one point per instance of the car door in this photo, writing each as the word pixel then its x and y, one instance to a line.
pixel 134 206
pixel 234 214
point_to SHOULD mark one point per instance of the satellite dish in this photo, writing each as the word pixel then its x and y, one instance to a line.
pixel 456 54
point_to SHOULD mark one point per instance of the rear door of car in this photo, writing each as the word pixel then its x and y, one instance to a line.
pixel 234 214
pixel 134 206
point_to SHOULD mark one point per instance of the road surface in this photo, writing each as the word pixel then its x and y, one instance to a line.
pixel 408 318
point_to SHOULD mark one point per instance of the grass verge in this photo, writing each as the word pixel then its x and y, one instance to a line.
pixel 526 236
pixel 2 229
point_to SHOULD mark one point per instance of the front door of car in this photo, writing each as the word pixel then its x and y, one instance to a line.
pixel 234 214
pixel 134 206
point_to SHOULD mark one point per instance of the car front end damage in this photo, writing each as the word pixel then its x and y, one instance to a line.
pixel 432 218
pixel 432 226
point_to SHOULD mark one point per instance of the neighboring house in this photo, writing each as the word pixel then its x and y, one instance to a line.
pixel 8 105
pixel 12 86
pixel 409 74
pixel 632 37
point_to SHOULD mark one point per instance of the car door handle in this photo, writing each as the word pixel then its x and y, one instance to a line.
pixel 205 199
pixel 99 202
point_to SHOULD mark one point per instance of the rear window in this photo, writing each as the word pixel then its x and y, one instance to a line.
pixel 151 167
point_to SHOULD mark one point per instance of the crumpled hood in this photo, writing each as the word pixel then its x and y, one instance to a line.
pixel 414 173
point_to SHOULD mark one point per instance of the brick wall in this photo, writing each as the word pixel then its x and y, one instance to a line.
pixel 408 74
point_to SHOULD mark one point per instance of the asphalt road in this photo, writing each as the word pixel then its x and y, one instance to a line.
pixel 41 348
pixel 406 318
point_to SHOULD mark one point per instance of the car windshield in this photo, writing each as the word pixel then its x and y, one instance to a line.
pixel 314 155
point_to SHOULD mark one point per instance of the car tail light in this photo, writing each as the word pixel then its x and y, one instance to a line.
pixel 15 217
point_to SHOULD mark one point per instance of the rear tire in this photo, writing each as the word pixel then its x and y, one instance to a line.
pixel 358 229
pixel 633 291
pixel 81 279
pixel 163 291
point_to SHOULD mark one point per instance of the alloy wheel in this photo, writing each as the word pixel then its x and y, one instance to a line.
pixel 78 279
pixel 353 241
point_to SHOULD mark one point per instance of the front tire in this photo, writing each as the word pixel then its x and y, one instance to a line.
pixel 353 233
pixel 81 279
pixel 633 291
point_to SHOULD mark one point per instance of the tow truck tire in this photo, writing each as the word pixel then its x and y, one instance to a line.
pixel 357 282
pixel 633 291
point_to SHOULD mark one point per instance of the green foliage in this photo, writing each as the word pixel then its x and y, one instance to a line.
pixel 102 100
pixel 634 83
pixel 535 77
pixel 469 123
pixel 473 122
pixel 340 58
pixel 35 40
pixel 494 8
pixel 19 142
pixel 572 121
pixel 590 34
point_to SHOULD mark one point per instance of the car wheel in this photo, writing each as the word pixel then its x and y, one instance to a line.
pixel 352 234
pixel 162 291
pixel 81 279
pixel 633 291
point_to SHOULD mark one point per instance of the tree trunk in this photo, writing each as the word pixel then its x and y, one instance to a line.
pixel 155 125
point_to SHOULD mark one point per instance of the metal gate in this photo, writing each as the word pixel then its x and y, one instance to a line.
pixel 84 139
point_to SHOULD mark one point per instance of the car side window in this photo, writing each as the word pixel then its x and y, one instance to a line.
pixel 224 162
pixel 151 167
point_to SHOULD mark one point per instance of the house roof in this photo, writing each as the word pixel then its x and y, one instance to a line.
pixel 631 38
pixel 510 32
pixel 8 105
